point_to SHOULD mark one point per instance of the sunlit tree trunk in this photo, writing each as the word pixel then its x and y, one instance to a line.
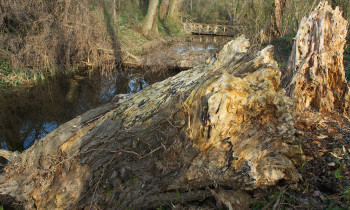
pixel 163 9
pixel 114 10
pixel 150 17
pixel 173 8
pixel 273 26
pixel 278 10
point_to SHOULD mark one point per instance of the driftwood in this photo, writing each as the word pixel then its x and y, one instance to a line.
pixel 315 75
pixel 225 122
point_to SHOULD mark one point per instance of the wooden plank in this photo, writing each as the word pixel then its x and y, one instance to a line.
pixel 212 29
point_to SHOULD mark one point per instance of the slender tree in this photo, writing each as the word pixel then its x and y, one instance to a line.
pixel 173 8
pixel 150 16
pixel 163 9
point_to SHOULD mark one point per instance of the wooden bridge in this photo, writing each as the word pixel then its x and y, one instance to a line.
pixel 210 29
pixel 207 39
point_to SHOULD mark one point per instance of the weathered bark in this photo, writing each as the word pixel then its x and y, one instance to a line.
pixel 150 17
pixel 273 26
pixel 315 75
pixel 224 122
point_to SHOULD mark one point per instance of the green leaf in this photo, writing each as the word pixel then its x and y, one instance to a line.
pixel 337 174
pixel 134 180
pixel 341 167
pixel 117 203
pixel 178 194
pixel 341 187
pixel 110 192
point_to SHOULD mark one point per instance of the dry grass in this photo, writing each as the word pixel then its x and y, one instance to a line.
pixel 40 36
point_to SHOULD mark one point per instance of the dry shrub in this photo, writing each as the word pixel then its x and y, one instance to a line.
pixel 56 35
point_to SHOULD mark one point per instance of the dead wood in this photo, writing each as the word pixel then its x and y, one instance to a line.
pixel 315 75
pixel 225 122
pixel 239 200
pixel 8 155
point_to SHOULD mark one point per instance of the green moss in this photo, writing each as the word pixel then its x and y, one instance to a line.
pixel 11 77
pixel 130 15
pixel 170 27
pixel 92 5
pixel 131 40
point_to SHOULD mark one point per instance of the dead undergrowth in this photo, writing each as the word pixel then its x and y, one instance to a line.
pixel 55 36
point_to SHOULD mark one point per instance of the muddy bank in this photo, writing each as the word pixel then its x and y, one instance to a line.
pixel 180 54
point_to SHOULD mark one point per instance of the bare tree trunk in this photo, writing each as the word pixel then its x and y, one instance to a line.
pixel 279 8
pixel 273 25
pixel 114 12
pixel 315 76
pixel 163 9
pixel 173 8
pixel 150 17
pixel 225 122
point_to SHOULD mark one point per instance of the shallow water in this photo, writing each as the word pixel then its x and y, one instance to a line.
pixel 32 113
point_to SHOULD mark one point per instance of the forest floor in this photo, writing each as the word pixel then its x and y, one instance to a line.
pixel 324 138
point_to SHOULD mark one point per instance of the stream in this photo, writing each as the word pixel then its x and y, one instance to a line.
pixel 30 114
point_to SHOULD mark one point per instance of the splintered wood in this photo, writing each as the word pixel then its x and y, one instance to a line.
pixel 315 77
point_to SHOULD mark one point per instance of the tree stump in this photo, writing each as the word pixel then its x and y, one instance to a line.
pixel 315 76
pixel 225 122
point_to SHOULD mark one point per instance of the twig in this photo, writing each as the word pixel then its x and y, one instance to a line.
pixel 152 151
pixel 267 206
pixel 279 198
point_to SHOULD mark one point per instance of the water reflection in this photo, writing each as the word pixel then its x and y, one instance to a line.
pixel 186 48
pixel 30 114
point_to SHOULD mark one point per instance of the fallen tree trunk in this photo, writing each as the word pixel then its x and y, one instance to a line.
pixel 225 122
pixel 315 76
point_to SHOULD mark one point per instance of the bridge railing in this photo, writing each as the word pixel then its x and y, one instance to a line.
pixel 210 29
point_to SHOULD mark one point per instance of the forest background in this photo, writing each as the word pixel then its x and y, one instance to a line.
pixel 40 38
